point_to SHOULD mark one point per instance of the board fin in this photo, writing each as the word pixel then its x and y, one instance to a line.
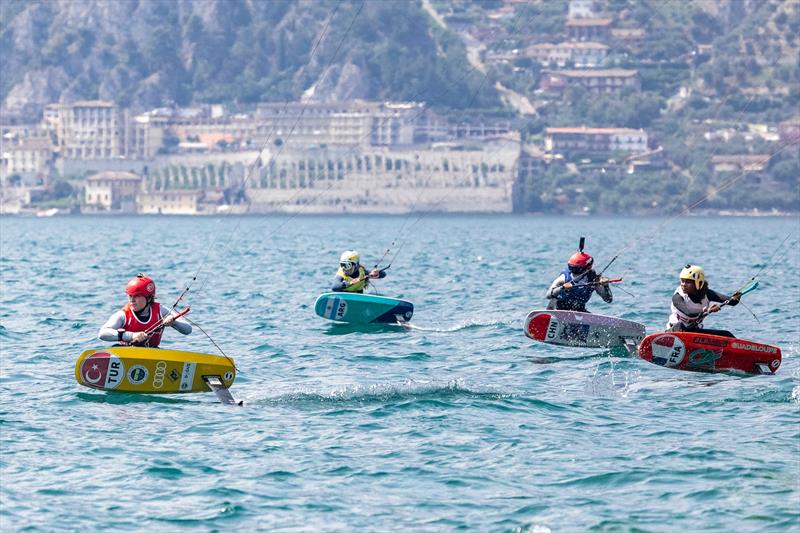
pixel 763 368
pixel 222 392
pixel 631 345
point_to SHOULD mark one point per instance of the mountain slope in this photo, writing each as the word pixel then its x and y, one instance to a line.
pixel 158 52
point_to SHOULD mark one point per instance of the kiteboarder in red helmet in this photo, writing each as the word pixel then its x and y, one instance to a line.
pixel 129 325
pixel 571 290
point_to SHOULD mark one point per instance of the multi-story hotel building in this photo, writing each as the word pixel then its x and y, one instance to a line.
pixel 27 157
pixel 99 130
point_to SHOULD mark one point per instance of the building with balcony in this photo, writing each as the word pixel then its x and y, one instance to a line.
pixel 589 29
pixel 99 130
pixel 585 140
pixel 740 163
pixel 29 158
pixel 596 81
pixel 579 54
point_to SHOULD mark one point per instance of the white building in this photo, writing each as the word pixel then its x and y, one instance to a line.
pixel 112 191
pixel 98 130
pixel 580 54
pixel 446 177
pixel 171 202
pixel 25 157
pixel 581 9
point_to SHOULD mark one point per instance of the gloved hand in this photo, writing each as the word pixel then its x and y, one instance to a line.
pixel 736 296
pixel 139 337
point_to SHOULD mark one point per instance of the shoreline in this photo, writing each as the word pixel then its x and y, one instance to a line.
pixel 725 213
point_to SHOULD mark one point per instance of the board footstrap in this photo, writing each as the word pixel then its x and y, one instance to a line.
pixel 222 392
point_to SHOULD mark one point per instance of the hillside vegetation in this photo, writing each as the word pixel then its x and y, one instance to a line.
pixel 161 52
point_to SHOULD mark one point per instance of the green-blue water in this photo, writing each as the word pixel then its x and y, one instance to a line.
pixel 461 422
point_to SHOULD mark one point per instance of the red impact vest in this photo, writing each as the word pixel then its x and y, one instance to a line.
pixel 135 325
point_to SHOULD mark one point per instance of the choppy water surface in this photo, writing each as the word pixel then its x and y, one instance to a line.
pixel 459 422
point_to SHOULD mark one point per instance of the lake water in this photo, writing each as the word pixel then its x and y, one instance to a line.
pixel 460 422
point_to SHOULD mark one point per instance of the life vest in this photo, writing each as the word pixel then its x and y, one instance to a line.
pixel 358 286
pixel 580 292
pixel 696 308
pixel 135 325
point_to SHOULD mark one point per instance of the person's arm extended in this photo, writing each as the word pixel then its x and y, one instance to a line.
pixel 110 330
pixel 181 325
pixel 714 296
pixel 604 290
pixel 556 287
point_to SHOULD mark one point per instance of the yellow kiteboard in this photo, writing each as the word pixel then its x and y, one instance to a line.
pixel 154 371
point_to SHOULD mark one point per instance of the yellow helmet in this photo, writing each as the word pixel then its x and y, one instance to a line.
pixel 694 273
pixel 349 259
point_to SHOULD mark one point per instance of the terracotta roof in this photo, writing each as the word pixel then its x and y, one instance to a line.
pixel 627 32
pixel 113 175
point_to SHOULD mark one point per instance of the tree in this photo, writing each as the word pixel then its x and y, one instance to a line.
pixel 62 189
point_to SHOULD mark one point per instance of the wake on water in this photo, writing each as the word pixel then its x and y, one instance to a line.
pixel 467 325
pixel 408 390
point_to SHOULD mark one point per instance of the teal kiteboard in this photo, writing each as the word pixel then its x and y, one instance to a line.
pixel 356 308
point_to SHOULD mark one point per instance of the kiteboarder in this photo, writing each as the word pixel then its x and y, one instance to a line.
pixel 692 302
pixel 142 314
pixel 573 288
pixel 351 276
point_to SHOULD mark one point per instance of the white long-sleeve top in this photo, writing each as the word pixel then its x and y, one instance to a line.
pixel 108 332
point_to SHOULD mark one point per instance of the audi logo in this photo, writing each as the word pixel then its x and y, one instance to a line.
pixel 158 375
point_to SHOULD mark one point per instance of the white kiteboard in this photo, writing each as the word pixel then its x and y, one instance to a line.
pixel 586 330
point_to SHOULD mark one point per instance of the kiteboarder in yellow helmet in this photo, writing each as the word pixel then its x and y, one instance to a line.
pixel 351 276
pixel 692 301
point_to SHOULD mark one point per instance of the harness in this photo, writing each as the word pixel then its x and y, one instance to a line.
pixel 359 285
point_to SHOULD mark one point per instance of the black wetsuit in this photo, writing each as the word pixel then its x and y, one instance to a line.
pixel 697 297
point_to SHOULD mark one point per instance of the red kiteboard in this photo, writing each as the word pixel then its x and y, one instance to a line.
pixel 709 353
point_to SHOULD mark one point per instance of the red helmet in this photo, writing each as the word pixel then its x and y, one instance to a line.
pixel 141 285
pixel 580 261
